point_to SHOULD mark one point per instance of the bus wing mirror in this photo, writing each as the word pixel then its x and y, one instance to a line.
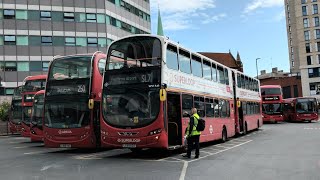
pixel 90 104
pixel 238 104
pixel 163 95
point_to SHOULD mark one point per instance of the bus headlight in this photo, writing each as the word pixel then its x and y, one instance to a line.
pixel 157 131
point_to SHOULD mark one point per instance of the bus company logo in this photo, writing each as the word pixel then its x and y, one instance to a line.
pixel 63 90
pixel 129 140
pixel 127 133
pixel 271 98
pixel 64 131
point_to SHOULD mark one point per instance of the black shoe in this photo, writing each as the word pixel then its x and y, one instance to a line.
pixel 196 157
pixel 186 156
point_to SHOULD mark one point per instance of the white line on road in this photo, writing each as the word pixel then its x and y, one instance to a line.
pixel 184 170
pixel 20 147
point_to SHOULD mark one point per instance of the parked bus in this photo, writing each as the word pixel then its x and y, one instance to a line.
pixel 36 130
pixel 272 103
pixel 151 84
pixel 15 116
pixel 32 84
pixel 300 109
pixel 72 101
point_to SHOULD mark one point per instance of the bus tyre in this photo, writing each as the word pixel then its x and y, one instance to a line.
pixel 224 137
pixel 258 125
pixel 309 121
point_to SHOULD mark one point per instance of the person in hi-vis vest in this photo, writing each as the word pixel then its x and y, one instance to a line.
pixel 193 136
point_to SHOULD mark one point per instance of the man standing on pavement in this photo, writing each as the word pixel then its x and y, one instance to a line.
pixel 193 136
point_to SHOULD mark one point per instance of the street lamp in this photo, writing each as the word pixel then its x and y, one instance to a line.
pixel 257 66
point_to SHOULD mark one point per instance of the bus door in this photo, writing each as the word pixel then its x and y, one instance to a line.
pixel 174 119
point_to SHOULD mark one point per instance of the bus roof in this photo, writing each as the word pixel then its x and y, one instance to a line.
pixel 166 39
pixel 270 86
pixel 35 77
pixel 72 55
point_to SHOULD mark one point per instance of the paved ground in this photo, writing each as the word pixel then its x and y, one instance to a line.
pixel 3 128
pixel 277 151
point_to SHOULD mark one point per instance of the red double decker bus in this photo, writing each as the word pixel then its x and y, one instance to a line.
pixel 32 84
pixel 16 111
pixel 36 130
pixel 151 84
pixel 72 101
pixel 300 109
pixel 272 103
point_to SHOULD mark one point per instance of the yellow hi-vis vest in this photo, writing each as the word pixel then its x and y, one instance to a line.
pixel 194 131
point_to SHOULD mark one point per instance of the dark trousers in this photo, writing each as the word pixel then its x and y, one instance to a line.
pixel 193 142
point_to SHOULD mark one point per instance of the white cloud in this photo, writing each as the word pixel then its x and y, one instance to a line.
pixel 256 4
pixel 184 14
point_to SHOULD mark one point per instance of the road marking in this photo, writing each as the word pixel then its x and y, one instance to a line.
pixel 100 155
pixel 205 152
pixel 44 168
pixel 184 170
pixel 46 151
pixel 20 147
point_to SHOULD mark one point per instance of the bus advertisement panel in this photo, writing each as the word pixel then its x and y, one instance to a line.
pixel 32 84
pixel 15 116
pixel 151 84
pixel 72 101
pixel 272 103
pixel 36 130
pixel 300 109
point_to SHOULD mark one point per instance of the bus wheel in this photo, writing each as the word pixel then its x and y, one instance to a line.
pixel 224 137
pixel 309 121
pixel 258 125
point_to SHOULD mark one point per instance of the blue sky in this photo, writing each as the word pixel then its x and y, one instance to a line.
pixel 255 28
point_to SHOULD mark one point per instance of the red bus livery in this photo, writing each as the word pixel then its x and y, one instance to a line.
pixel 151 84
pixel 16 111
pixel 300 109
pixel 272 103
pixel 32 84
pixel 36 130
pixel 72 101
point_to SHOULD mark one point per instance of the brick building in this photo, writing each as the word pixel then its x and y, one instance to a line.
pixel 290 83
pixel 226 59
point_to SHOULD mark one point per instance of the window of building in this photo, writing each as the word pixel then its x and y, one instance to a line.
pixel 21 14
pixel 23 66
pixel 315 8
pixel 81 41
pixel 291 49
pixel 45 15
pixel 9 91
pixel 68 16
pixel 9 14
pixel 305 22
pixel 184 61
pixel 102 42
pixel 70 41
pixel 317 33
pixel 35 66
pixel 101 18
pixel 93 42
pixel 172 57
pixel 22 40
pixel 292 63
pixel 304 10
pixel 46 40
pixel 308 48
pixel 10 66
pixel 303 1
pixel 316 21
pixel 309 60
pixel 91 17
pixel 196 66
pixel 45 66
pixel 9 40
pixel 307 35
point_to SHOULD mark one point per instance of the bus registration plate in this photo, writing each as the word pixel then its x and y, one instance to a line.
pixel 65 145
pixel 129 145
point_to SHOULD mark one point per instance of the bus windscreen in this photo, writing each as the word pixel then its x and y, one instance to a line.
pixel 270 91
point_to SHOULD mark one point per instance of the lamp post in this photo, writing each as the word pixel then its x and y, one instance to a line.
pixel 257 66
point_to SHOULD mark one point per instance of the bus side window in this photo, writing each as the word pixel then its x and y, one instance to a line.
pixel 172 57
pixel 244 108
pixel 184 61
pixel 216 108
pixel 223 108
pixel 102 65
pixel 243 82
pixel 239 80
pixel 226 76
pixel 220 74
pixel 209 108
pixel 206 69
pixel 196 66
pixel 214 73
pixel 199 104
pixel 228 108
pixel 187 104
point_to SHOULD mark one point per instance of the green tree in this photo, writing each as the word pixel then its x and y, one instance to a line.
pixel 4 111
